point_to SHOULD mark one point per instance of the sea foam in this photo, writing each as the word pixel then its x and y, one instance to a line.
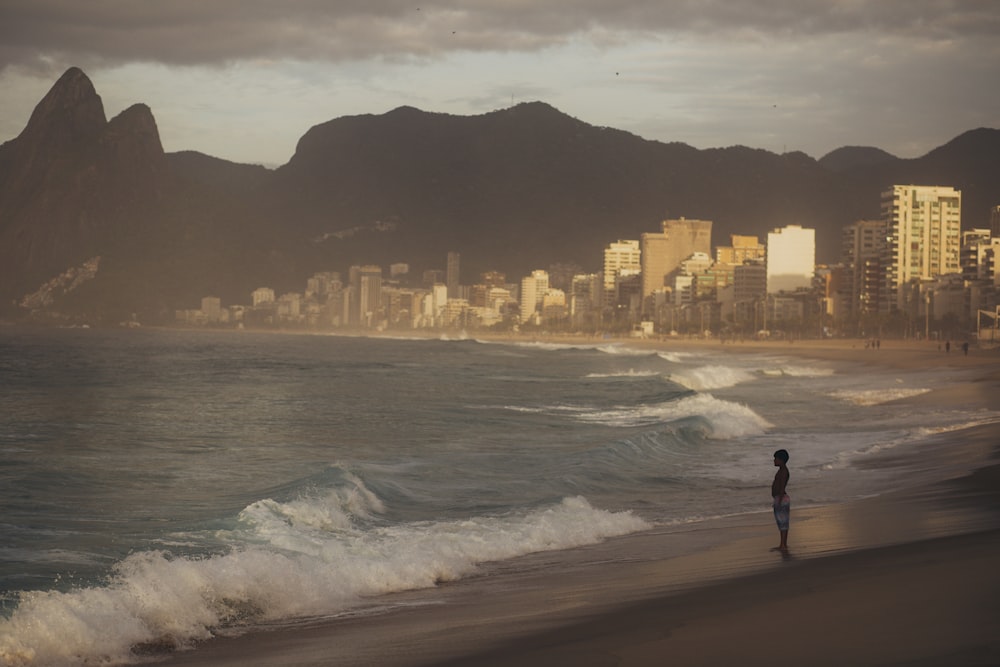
pixel 711 377
pixel 288 560
pixel 630 373
pixel 868 397
pixel 725 419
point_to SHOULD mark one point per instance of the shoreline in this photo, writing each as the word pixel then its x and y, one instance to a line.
pixel 861 567
pixel 908 577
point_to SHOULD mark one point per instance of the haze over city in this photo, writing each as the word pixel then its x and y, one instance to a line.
pixel 244 80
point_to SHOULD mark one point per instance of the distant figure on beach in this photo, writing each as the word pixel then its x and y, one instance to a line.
pixel 779 497
pixel 947 346
pixel 965 348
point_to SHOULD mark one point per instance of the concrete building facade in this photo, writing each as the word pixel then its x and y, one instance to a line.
pixel 791 259
pixel 663 252
pixel 923 236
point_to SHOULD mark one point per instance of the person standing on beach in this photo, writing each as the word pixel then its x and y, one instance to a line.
pixel 779 497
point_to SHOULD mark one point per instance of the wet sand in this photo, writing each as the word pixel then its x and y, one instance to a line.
pixel 909 578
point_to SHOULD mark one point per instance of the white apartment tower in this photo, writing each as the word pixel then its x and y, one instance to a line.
pixel 791 259
pixel 623 256
pixel 533 289
pixel 923 236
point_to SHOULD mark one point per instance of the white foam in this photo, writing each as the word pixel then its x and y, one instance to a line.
pixel 630 373
pixel 797 371
pixel 726 419
pixel 869 397
pixel 295 561
pixel 988 418
pixel 624 351
pixel 844 459
pixel 711 377
pixel 806 371
pixel 538 345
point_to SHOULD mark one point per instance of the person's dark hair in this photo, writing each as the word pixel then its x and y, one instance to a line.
pixel 781 454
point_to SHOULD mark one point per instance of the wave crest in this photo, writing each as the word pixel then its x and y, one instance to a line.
pixel 726 419
pixel 155 600
pixel 869 397
pixel 711 377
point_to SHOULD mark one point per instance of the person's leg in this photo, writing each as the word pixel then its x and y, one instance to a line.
pixel 782 514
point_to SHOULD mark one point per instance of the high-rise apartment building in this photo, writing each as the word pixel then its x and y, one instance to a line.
pixel 586 294
pixel 791 259
pixel 976 254
pixel 262 295
pixel 995 222
pixel 366 295
pixel 452 274
pixel 923 237
pixel 494 279
pixel 742 249
pixel 749 281
pixel 533 290
pixel 980 280
pixel 663 252
pixel 862 252
pixel 623 256
pixel 211 308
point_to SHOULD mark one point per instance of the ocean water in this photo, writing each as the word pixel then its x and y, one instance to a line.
pixel 159 487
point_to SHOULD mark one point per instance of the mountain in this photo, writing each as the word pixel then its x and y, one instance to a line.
pixel 98 223
pixel 852 157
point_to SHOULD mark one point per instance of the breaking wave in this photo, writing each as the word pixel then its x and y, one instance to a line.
pixel 318 555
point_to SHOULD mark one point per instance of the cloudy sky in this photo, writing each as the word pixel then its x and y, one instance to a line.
pixel 244 79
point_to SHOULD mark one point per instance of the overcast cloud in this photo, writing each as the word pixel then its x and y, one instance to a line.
pixel 243 79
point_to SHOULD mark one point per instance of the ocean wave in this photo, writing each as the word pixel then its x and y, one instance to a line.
pixel 677 357
pixel 554 347
pixel 844 459
pixel 988 418
pixel 630 373
pixel 336 509
pixel 726 419
pixel 624 350
pixel 869 397
pixel 797 371
pixel 546 409
pixel 295 561
pixel 711 377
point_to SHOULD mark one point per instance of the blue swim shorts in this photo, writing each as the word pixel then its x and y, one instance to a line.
pixel 782 511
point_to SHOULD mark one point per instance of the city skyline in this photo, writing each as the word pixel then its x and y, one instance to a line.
pixel 668 279
pixel 244 81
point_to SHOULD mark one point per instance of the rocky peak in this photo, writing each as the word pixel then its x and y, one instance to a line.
pixel 64 126
pixel 132 140
pixel 71 115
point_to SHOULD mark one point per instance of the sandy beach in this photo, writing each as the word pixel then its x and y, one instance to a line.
pixel 910 577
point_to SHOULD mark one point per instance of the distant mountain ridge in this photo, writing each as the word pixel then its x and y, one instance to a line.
pixel 852 157
pixel 511 190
